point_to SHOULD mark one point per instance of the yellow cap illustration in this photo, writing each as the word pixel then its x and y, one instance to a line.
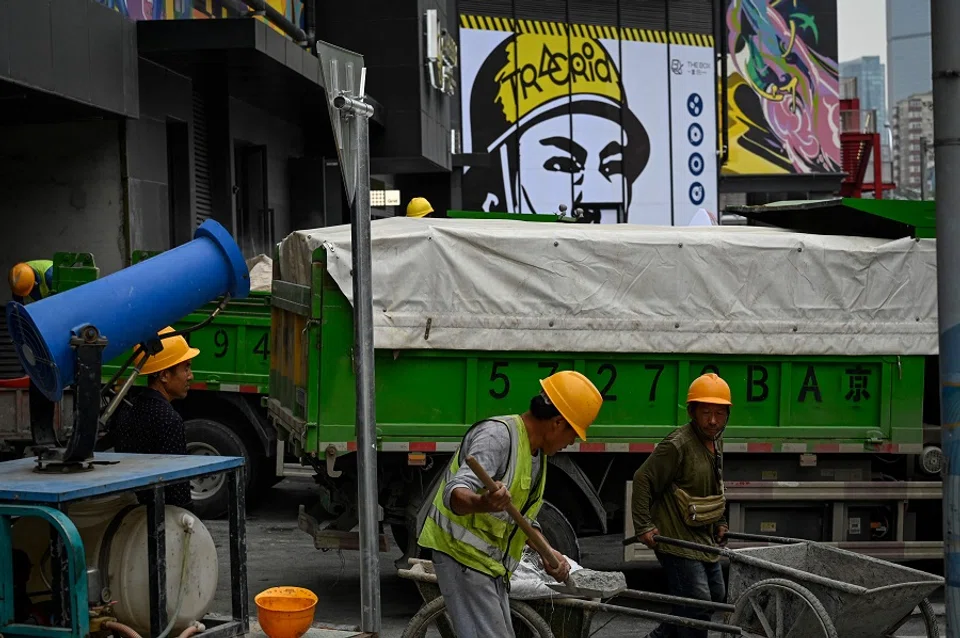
pixel 541 69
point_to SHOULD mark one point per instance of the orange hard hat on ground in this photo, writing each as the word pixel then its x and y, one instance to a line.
pixel 175 350
pixel 709 388
pixel 22 279
pixel 285 612
pixel 575 397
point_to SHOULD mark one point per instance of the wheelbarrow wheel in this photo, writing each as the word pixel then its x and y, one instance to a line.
pixel 432 618
pixel 929 619
pixel 774 608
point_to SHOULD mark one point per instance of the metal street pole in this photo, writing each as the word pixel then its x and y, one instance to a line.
pixel 358 109
pixel 945 23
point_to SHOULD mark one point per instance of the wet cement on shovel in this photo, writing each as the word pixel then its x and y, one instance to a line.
pixel 593 584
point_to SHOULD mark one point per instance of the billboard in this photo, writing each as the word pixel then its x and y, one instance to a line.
pixel 591 116
pixel 783 86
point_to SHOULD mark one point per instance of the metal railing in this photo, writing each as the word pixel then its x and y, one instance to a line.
pixel 858 121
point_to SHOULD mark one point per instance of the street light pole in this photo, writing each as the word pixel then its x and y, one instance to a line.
pixel 357 108
pixel 945 23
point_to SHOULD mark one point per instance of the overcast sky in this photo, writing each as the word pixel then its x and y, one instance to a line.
pixel 862 29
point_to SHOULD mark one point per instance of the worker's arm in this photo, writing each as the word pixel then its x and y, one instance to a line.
pixel 489 444
pixel 651 481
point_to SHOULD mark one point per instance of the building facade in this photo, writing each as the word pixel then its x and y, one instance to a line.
pixel 913 156
pixel 909 62
pixel 182 110
pixel 871 88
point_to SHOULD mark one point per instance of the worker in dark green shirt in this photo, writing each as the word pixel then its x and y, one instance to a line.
pixel 678 493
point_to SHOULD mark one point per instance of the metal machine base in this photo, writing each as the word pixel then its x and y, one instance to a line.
pixel 25 493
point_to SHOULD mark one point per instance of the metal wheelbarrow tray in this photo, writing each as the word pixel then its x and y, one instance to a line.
pixel 804 589
pixel 864 597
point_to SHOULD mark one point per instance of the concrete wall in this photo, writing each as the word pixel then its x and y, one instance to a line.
pixel 284 141
pixel 60 190
pixel 164 97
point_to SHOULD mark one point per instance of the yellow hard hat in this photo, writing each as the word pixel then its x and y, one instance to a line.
pixel 22 279
pixel 419 207
pixel 575 396
pixel 175 350
pixel 709 388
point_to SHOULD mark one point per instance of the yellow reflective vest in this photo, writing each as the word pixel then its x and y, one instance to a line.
pixel 491 543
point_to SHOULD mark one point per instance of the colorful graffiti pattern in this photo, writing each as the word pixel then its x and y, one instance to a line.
pixel 194 9
pixel 782 87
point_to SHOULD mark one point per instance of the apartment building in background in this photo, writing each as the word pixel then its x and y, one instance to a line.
pixel 913 144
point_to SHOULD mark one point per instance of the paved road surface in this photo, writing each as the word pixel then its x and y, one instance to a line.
pixel 278 553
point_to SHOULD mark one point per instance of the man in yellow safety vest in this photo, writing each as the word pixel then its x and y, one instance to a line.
pixel 476 544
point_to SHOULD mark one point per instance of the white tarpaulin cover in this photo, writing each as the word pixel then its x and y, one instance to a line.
pixel 514 285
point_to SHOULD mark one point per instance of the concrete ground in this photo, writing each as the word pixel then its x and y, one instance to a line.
pixel 278 553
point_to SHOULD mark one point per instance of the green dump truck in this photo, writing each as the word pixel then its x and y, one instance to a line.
pixel 828 342
pixel 835 431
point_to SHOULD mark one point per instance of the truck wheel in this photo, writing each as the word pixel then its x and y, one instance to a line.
pixel 558 531
pixel 209 438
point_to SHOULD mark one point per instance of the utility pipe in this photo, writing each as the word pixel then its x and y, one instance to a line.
pixel 120 628
pixel 945 23
pixel 277 18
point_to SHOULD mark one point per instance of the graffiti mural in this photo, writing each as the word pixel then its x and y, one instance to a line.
pixel 782 87
pixel 582 116
pixel 194 9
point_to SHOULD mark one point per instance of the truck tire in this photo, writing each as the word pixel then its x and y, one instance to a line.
pixel 210 438
pixel 558 531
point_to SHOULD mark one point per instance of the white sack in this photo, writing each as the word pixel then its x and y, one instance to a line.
pixel 261 273
pixel 529 581
pixel 505 285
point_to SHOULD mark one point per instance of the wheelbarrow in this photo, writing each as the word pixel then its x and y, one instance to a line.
pixel 792 589
pixel 796 588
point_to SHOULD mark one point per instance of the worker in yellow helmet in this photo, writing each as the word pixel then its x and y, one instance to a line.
pixel 151 425
pixel 678 493
pixel 419 207
pixel 476 544
pixel 31 280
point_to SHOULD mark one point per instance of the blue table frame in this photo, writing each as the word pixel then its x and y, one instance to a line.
pixel 25 492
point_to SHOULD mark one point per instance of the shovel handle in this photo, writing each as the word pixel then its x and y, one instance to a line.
pixel 539 542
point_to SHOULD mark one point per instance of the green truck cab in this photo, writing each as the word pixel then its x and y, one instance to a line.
pixel 833 447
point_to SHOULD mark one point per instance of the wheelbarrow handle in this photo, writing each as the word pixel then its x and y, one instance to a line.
pixel 676 542
pixel 760 538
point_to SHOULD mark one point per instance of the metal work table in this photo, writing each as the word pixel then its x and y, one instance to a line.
pixel 26 492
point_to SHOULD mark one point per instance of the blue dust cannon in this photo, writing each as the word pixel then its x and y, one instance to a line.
pixel 127 307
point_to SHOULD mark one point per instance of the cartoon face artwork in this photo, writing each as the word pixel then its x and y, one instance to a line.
pixel 590 168
pixel 552 113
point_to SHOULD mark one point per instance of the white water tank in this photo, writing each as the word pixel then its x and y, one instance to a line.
pixel 127 573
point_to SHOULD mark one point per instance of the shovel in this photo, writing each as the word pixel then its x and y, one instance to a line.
pixel 539 542
pixel 584 582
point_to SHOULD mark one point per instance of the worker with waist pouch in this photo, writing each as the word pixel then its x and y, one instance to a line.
pixel 678 493
pixel 476 544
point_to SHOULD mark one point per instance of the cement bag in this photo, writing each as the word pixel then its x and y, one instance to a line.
pixel 261 273
pixel 529 580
